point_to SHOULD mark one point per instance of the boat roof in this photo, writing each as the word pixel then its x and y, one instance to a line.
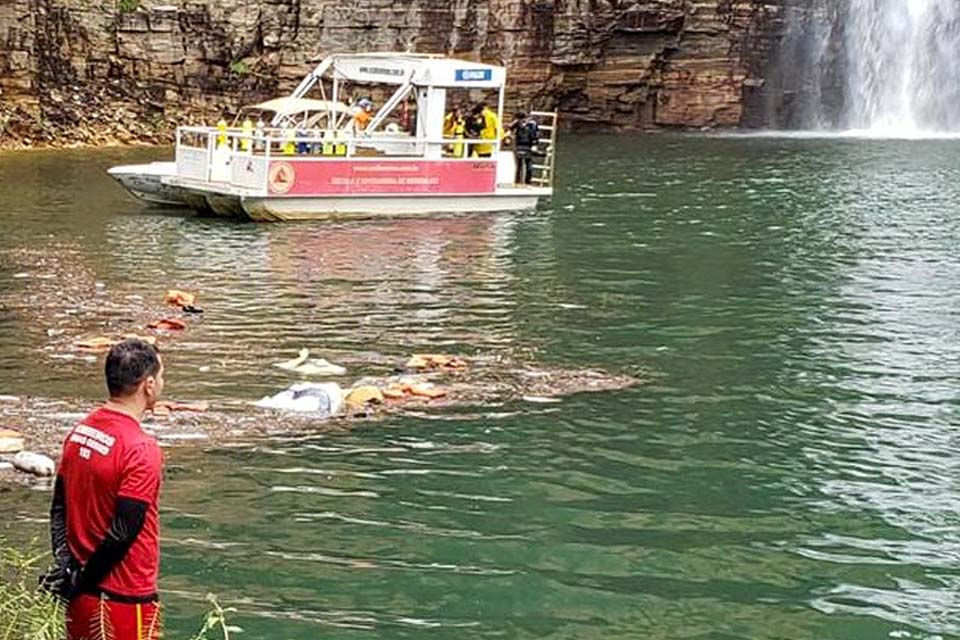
pixel 419 69
pixel 289 106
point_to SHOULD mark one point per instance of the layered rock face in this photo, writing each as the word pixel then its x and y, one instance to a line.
pixel 83 71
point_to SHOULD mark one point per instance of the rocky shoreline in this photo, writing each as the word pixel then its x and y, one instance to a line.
pixel 127 72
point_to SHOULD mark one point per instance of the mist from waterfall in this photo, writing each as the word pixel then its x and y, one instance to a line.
pixel 887 67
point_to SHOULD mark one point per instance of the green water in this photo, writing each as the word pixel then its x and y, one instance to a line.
pixel 790 469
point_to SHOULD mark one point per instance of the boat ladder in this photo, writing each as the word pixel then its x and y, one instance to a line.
pixel 543 172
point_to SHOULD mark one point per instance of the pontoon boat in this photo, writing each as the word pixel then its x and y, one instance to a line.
pixel 312 163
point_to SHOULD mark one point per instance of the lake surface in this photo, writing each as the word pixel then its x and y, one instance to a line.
pixel 789 469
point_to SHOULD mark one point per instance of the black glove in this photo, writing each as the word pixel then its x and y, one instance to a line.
pixel 62 579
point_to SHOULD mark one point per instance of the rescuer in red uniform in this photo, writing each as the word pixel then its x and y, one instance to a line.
pixel 103 520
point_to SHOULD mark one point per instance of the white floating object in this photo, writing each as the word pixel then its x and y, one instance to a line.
pixel 320 367
pixel 10 399
pixel 324 398
pixel 307 366
pixel 35 463
pixel 290 365
pixel 541 399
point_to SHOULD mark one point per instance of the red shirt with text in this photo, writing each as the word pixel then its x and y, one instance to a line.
pixel 107 456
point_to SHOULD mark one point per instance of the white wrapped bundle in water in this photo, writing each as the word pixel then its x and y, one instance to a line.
pixel 324 399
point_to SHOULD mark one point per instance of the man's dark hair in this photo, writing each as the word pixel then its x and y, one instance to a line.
pixel 128 363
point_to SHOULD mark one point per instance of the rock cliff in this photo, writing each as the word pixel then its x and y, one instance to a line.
pixel 96 72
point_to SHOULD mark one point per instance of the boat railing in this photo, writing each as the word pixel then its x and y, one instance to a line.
pixel 208 154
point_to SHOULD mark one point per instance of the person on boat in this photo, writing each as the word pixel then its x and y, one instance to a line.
pixel 246 142
pixel 407 115
pixel 289 146
pixel 491 130
pixel 363 116
pixel 261 133
pixel 221 133
pixel 302 145
pixel 340 138
pixel 103 519
pixel 525 135
pixel 473 126
pixel 454 126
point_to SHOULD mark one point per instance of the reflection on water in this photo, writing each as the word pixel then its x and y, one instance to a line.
pixel 790 471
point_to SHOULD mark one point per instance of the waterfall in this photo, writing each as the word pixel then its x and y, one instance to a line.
pixel 885 66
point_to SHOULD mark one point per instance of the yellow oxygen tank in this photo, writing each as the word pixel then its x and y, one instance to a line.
pixel 340 148
pixel 246 142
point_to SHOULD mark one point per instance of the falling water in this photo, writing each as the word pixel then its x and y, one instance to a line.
pixel 904 65
pixel 890 67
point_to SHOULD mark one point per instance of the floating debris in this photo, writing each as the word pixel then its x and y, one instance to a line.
pixel 402 390
pixel 362 396
pixel 168 324
pixel 103 343
pixel 100 343
pixel 307 366
pixel 540 399
pixel 432 361
pixel 166 407
pixel 179 298
pixel 183 436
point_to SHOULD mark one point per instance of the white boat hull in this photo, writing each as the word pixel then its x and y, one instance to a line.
pixel 273 209
pixel 145 182
pixel 236 202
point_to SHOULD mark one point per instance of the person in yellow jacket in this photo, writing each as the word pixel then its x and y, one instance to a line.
pixel 289 146
pixel 221 133
pixel 458 131
pixel 454 126
pixel 491 129
pixel 246 142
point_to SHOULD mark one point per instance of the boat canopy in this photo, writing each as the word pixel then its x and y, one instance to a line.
pixel 427 76
pixel 289 106
pixel 410 69
pixel 420 70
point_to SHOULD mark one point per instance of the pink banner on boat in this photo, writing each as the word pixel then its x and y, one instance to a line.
pixel 325 177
